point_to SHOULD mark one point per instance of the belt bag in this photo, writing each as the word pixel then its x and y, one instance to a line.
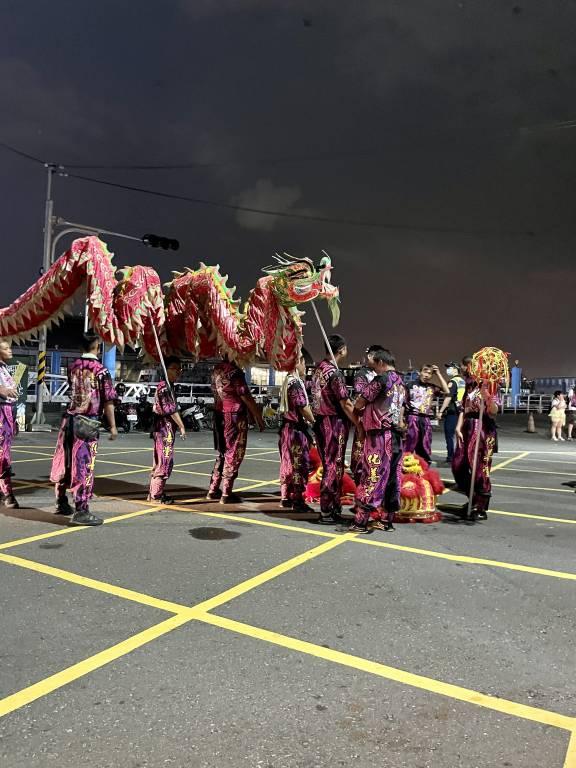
pixel 86 428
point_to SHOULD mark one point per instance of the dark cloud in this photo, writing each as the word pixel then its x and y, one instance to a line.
pixel 438 115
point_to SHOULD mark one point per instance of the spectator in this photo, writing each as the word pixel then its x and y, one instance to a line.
pixel 557 416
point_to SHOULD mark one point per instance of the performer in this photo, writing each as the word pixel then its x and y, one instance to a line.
pixel 232 404
pixel 468 430
pixel 378 495
pixel 166 419
pixel 294 441
pixel 333 412
pixel 362 377
pixel 420 404
pixel 450 408
pixel 8 426
pixel 91 394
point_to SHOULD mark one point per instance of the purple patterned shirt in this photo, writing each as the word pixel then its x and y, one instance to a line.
pixel 421 398
pixel 229 386
pixel 164 404
pixel 328 389
pixel 385 397
pixel 91 387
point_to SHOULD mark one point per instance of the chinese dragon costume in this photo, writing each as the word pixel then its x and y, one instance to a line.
pixel 197 316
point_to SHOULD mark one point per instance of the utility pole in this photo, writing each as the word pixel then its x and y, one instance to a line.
pixel 40 420
pixel 50 243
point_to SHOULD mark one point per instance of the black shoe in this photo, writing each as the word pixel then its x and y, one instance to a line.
pixel 11 502
pixel 85 517
pixel 302 508
pixel 481 514
pixel 214 495
pixel 232 498
pixel 358 529
pixel 63 507
pixel 330 519
pixel 286 504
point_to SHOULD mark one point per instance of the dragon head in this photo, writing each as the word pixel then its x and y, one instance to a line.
pixel 298 280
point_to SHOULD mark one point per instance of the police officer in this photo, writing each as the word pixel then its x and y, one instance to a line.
pixel 450 408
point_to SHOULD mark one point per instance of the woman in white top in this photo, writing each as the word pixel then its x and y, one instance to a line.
pixel 557 416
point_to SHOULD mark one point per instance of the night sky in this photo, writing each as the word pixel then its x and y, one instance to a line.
pixel 442 122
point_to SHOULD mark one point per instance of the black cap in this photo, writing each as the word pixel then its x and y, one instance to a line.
pixel 451 365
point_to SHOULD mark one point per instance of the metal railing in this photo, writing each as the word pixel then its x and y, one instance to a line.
pixel 55 390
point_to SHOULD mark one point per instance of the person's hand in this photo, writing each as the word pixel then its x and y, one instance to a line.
pixel 440 414
pixel 183 434
pixel 8 392
pixel 113 433
pixel 435 369
pixel 459 436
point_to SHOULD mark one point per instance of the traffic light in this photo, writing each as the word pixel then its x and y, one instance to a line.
pixel 156 241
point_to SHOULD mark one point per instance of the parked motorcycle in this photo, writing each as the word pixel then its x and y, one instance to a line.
pixel 144 414
pixel 197 416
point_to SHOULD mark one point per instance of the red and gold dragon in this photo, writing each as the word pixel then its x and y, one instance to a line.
pixel 197 316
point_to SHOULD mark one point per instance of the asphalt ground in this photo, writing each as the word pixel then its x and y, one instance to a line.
pixel 201 635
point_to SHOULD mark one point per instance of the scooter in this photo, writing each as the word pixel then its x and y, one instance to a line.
pixel 194 417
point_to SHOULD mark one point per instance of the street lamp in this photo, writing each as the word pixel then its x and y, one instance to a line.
pixel 50 242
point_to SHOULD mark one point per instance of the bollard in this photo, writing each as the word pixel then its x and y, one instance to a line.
pixel 531 427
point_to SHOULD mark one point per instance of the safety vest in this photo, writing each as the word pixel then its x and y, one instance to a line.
pixel 461 389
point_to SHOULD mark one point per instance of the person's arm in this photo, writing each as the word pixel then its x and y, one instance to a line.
pixel 8 392
pixel 490 403
pixel 441 379
pixel 306 413
pixel 253 410
pixel 459 426
pixel 452 390
pixel 109 413
pixel 348 409
pixel 177 419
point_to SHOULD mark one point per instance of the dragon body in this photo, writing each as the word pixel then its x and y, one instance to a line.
pixel 196 316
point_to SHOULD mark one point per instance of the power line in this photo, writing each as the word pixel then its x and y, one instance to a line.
pixel 19 152
pixel 325 219
pixel 300 216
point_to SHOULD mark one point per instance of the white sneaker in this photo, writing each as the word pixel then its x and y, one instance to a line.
pixel 561 438
pixel 555 439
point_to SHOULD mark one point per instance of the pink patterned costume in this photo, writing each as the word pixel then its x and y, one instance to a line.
pixel 380 478
pixel 362 378
pixel 420 404
pixel 473 430
pixel 163 433
pixel 8 430
pixel 230 425
pixel 91 388
pixel 294 443
pixel 331 430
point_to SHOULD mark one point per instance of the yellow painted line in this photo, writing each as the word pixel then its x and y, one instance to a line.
pixel 271 573
pixel 254 521
pixel 36 453
pixel 533 517
pixel 532 488
pixel 26 461
pixel 570 761
pixel 75 529
pixel 542 472
pixel 469 560
pixel 519 487
pixel 505 463
pixel 457 692
pixel 99 586
pixel 76 671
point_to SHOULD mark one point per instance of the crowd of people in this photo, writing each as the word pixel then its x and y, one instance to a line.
pixel 389 419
